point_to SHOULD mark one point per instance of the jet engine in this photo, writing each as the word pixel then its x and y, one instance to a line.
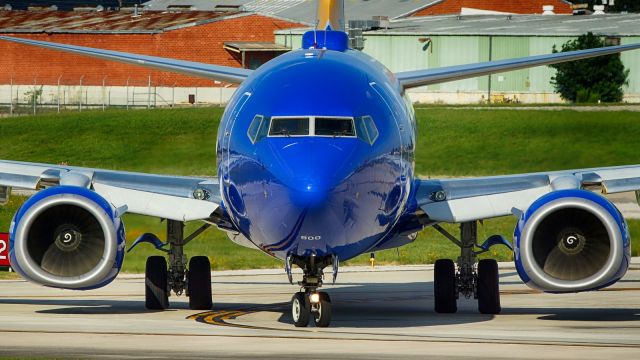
pixel 570 241
pixel 67 237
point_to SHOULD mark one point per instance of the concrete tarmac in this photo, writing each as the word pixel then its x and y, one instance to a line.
pixel 385 313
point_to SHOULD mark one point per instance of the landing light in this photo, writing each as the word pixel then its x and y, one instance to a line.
pixel 200 194
pixel 314 298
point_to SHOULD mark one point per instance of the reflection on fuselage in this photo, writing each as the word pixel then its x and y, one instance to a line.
pixel 317 194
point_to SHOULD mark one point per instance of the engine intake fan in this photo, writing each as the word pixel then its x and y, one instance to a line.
pixel 572 240
pixel 67 237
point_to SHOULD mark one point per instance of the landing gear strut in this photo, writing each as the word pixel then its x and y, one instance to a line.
pixel 309 302
pixel 479 281
pixel 162 278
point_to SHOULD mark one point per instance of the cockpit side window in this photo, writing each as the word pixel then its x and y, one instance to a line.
pixel 367 130
pixel 254 128
pixel 289 126
pixel 372 130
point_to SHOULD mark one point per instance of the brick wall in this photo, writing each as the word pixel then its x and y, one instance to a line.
pixel 202 43
pixel 508 6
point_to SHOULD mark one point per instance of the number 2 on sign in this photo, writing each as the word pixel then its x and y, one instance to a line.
pixel 3 248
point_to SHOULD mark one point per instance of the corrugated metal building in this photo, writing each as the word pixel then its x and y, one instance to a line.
pixel 434 41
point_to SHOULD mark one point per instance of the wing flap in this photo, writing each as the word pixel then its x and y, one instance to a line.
pixel 469 199
pixel 154 204
pixel 620 185
pixel 167 197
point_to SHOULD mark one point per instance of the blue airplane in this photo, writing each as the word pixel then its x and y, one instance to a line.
pixel 315 159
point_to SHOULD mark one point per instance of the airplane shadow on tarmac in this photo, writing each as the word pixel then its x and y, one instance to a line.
pixel 355 305
pixel 80 307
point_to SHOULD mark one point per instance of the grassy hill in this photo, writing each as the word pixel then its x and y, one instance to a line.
pixel 451 142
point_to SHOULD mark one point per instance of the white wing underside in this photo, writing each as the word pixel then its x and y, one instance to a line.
pixel 167 197
pixel 472 199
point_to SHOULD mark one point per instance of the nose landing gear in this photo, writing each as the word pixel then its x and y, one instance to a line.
pixel 316 305
pixel 310 303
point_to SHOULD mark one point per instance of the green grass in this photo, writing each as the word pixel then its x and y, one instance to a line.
pixel 491 142
pixel 450 142
pixel 163 141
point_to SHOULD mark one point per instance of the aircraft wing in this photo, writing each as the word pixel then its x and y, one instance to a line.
pixel 469 199
pixel 167 197
pixel 411 79
pixel 208 71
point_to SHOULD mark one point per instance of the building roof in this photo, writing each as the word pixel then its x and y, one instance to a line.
pixel 303 10
pixel 103 21
pixel 69 4
pixel 509 25
pixel 359 9
pixel 249 46
pixel 449 7
pixel 519 25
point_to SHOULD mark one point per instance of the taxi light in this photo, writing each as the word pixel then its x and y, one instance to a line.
pixel 314 298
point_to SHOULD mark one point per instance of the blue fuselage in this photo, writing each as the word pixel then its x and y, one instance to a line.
pixel 317 195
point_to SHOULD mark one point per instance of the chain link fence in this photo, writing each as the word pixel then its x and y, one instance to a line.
pixel 72 95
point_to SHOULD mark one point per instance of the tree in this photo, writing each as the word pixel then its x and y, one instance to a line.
pixel 590 80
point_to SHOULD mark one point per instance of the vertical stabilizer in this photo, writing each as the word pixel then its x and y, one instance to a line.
pixel 331 15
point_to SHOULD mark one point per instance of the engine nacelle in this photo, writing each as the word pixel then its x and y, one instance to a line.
pixel 570 241
pixel 67 237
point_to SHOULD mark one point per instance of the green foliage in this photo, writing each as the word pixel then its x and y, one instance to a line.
pixel 454 142
pixel 450 142
pixel 590 80
pixel 34 95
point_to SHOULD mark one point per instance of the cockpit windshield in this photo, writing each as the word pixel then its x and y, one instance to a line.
pixel 326 126
pixel 289 127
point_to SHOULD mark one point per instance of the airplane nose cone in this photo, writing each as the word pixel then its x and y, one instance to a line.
pixel 312 168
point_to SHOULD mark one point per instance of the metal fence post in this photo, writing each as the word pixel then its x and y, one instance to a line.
pixel 59 78
pixel 149 93
pixel 34 96
pixel 103 91
pixel 128 92
pixel 11 98
pixel 173 95
pixel 80 95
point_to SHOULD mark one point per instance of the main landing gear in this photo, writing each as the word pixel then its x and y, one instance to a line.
pixel 480 281
pixel 310 303
pixel 162 277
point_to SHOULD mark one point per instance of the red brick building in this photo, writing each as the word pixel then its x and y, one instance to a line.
pixel 190 35
pixel 448 7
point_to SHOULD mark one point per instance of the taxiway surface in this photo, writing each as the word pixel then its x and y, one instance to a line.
pixel 381 313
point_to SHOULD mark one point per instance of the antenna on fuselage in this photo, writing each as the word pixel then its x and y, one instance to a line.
pixel 315 29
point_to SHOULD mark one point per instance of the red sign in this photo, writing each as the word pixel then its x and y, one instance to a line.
pixel 4 249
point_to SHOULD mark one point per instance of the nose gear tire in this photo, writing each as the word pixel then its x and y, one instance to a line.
pixel 300 309
pixel 322 318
